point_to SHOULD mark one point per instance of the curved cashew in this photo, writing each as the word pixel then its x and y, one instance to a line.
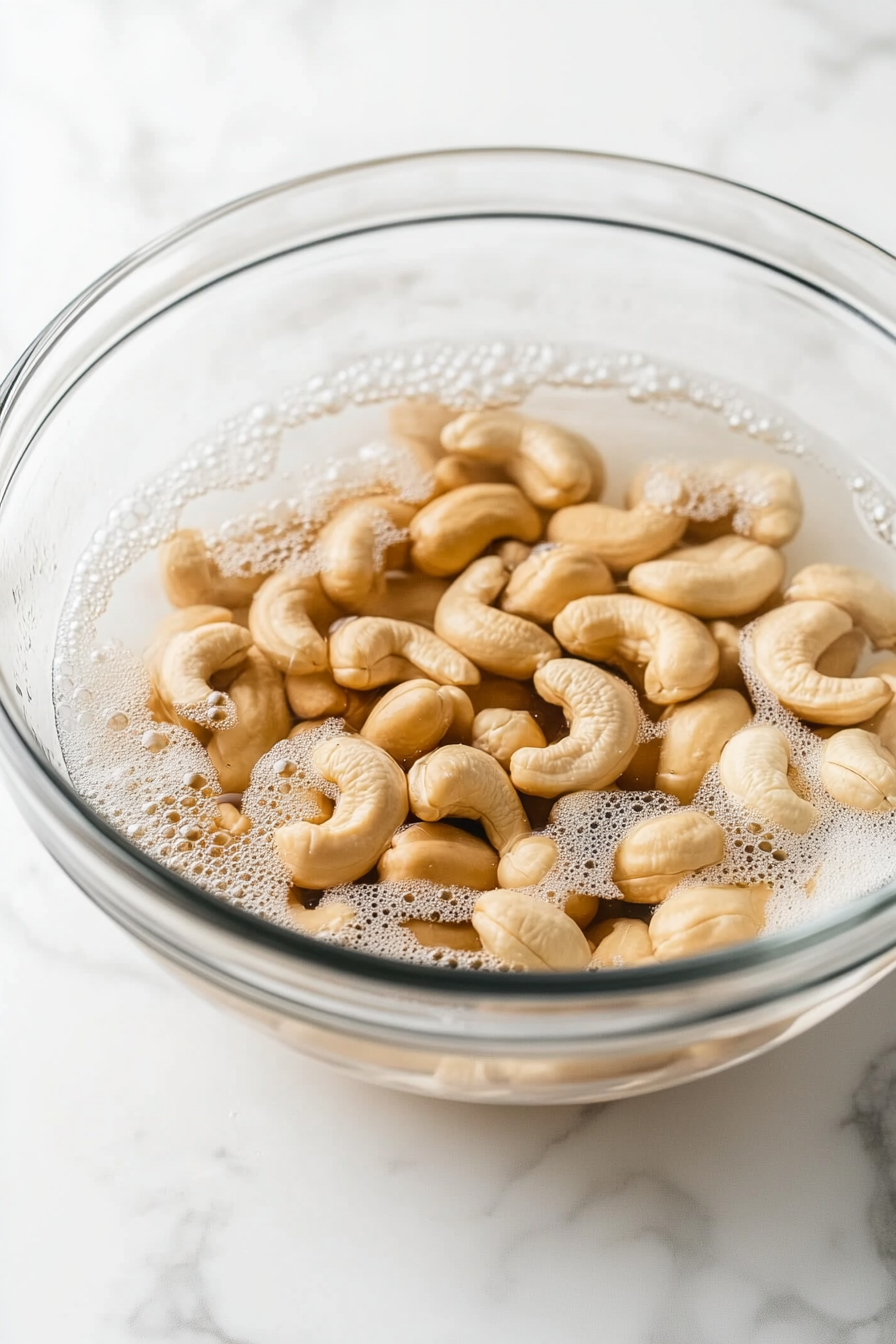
pixel 761 500
pixel 513 553
pixel 859 771
pixel 231 820
pixel 407 597
pixel 703 919
pixel 493 639
pixel 621 943
pixel 373 803
pixel 188 663
pixel 363 539
pixel 528 861
pixel 550 577
pixel 454 470
pixel 870 603
pixel 841 658
pixel 177 623
pixel 372 651
pixel 529 934
pixel 460 781
pixel 659 853
pixel 501 732
pixel 696 732
pixel 414 717
pixel 284 619
pixel 681 656
pixel 787 644
pixel 263 718
pixel 726 577
pixel 191 576
pixel 621 537
pixel 603 731
pixel 452 530
pixel 582 906
pixel 753 766
pixel 446 855
pixel 315 696
pixel 552 465
pixel 731 675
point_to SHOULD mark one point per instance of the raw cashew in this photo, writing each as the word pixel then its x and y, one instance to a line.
pixel 363 539
pixel 787 644
pixel 231 820
pixel 760 500
pixel 513 553
pixel 659 853
pixel 753 766
pixel 442 933
pixel 681 656
pixel 454 470
pixel 501 732
pixel 582 906
pixel 621 943
pixel 696 920
pixel 841 658
pixel 603 731
pixel 870 603
pixel 493 639
pixel 621 537
pixel 726 577
pixel 372 651
pixel 414 717
pixel 452 530
pixel 177 623
pixel 552 575
pixel 696 732
pixel 284 619
pixel 730 676
pixel 315 696
pixel 373 803
pixel 188 663
pixel 528 861
pixel 859 771
pixel 322 918
pixel 407 597
pixel 553 466
pixel 433 852
pixel 529 934
pixel 459 781
pixel 191 575
pixel 263 718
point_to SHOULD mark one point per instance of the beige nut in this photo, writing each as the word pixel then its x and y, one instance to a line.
pixel 431 933
pixel 726 577
pixel 501 732
pixel 753 766
pixel 322 918
pixel 373 803
pixel 680 655
pixel 454 470
pixel 621 943
pixel 363 539
pixel 459 781
pixel 730 675
pixel 528 861
pixel 373 651
pixel 416 716
pixel 496 641
pixel 452 530
pixel 284 620
pixel 177 623
pixel 787 644
pixel 697 920
pixel 696 732
pixel 620 537
pixel 659 853
pixel 603 731
pixel 859 771
pixel 434 852
pixel 529 934
pixel 554 574
pixel 418 425
pixel 231 820
pixel 841 658
pixel 582 906
pixel 513 553
pixel 188 664
pixel 315 696
pixel 883 723
pixel 760 500
pixel 263 718
pixel 870 603
pixel 552 465
pixel 407 597
pixel 191 576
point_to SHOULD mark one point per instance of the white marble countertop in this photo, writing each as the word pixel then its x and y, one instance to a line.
pixel 167 1175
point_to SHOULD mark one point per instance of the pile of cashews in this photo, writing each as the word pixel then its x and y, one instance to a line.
pixel 469 659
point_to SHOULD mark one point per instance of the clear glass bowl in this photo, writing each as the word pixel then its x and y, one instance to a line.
pixel 468 246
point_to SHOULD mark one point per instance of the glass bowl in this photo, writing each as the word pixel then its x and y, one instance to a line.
pixel 483 246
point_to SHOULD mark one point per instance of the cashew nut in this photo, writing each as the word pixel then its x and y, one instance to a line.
pixel 493 639
pixel 188 663
pixel 373 650
pixel 603 731
pixel 553 575
pixel 760 500
pixel 859 771
pixel 870 603
pixel 363 539
pixel 452 530
pixel 177 623
pixel 696 732
pixel 529 934
pixel 552 465
pixel 459 781
pixel 696 920
pixel 501 732
pixel 659 853
pixel 315 696
pixel 841 658
pixel 454 470
pixel 433 852
pixel 284 619
pixel 753 766
pixel 681 656
pixel 321 918
pixel 883 723
pixel 191 576
pixel 414 717
pixel 417 425
pixel 407 597
pixel 621 537
pixel 730 676
pixel 373 803
pixel 528 861
pixel 513 553
pixel 231 820
pixel 726 577
pixel 263 718
pixel 787 644
pixel 621 943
